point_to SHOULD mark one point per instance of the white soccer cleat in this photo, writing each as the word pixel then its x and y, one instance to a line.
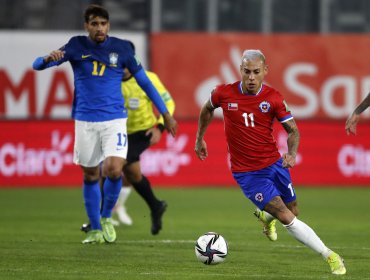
pixel 115 222
pixel 123 217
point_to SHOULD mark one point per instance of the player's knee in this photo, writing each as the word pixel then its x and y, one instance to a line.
pixel 293 208
pixel 295 211
pixel 91 174
pixel 113 171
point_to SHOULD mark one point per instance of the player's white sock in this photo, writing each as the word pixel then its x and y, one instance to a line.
pixel 120 208
pixel 304 234
pixel 123 195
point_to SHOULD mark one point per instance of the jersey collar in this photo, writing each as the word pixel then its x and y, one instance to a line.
pixel 98 45
pixel 246 93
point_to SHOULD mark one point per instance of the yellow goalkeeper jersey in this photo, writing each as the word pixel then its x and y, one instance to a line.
pixel 139 106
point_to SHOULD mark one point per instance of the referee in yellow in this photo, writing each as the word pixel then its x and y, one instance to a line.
pixel 144 129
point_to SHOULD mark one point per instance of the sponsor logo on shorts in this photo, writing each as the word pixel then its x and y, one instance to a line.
pixel 258 197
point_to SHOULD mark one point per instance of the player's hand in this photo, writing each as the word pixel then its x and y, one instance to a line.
pixel 170 123
pixel 201 149
pixel 54 56
pixel 155 135
pixel 288 160
pixel 351 124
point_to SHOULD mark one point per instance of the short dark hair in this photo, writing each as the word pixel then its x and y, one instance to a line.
pixel 95 11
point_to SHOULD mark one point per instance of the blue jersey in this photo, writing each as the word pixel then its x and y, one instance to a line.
pixel 98 71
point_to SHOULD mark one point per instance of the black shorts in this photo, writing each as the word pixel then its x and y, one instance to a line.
pixel 138 142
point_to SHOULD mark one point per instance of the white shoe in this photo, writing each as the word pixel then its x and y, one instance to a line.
pixel 115 222
pixel 123 217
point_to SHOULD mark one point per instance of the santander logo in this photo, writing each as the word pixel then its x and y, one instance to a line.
pixel 229 73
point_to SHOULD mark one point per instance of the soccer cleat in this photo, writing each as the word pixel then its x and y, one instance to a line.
pixel 269 228
pixel 157 217
pixel 123 217
pixel 94 237
pixel 115 222
pixel 336 264
pixel 109 233
pixel 85 228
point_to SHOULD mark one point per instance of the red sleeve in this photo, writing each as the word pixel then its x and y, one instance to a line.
pixel 215 97
pixel 283 113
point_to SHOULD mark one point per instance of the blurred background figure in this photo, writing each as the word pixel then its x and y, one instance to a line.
pixel 144 129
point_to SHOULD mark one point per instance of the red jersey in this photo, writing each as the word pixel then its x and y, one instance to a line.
pixel 248 120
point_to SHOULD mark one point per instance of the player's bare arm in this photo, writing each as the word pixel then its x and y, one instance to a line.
pixel 155 135
pixel 54 56
pixel 289 158
pixel 205 117
pixel 170 123
pixel 354 118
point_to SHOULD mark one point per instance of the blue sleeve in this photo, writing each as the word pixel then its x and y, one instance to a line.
pixel 39 63
pixel 144 82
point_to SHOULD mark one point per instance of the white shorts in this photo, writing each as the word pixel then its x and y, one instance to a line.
pixel 95 141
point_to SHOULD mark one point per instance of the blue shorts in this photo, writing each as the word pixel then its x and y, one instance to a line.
pixel 262 185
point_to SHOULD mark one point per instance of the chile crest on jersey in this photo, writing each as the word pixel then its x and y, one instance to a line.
pixel 264 106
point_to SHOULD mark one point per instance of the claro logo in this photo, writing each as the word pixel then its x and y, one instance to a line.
pixel 18 160
pixel 354 160
pixel 166 161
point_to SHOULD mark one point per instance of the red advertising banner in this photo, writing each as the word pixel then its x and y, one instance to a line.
pixel 40 153
pixel 321 76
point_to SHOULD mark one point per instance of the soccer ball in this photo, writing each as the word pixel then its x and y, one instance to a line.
pixel 211 248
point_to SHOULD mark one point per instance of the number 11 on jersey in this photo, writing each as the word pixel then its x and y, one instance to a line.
pixel 249 122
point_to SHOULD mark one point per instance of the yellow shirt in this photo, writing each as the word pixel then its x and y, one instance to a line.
pixel 140 114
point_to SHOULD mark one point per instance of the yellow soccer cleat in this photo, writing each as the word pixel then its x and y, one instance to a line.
pixel 269 228
pixel 336 264
pixel 94 237
pixel 109 233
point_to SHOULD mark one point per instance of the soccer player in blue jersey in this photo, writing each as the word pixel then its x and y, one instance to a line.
pixel 98 61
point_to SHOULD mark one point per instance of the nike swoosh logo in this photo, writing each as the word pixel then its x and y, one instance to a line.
pixel 85 56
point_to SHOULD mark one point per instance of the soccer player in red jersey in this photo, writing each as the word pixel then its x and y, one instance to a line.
pixel 250 108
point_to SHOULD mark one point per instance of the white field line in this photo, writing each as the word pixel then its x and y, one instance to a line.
pixel 181 241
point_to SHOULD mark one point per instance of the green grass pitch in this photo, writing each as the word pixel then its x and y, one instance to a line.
pixel 40 237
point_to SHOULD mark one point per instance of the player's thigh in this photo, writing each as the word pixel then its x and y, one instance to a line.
pixel 114 138
pixel 259 189
pixel 87 146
